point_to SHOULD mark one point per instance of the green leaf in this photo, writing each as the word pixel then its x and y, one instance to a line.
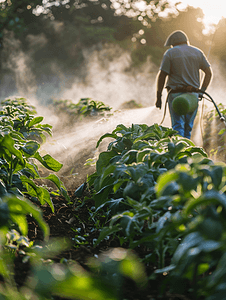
pixel 164 180
pixel 131 267
pixel 221 131
pixel 178 147
pixel 132 190
pixel 209 246
pixel 102 196
pixel 3 190
pixel 48 162
pixel 188 182
pixel 171 148
pixel 162 220
pixel 216 176
pixel 111 135
pixel 188 242
pixel 218 274
pixel 34 121
pixel 199 150
pixel 20 220
pixel 129 157
pixel 137 171
pixel 166 269
pixel 117 185
pixel 63 192
pixel 46 198
pixel 8 143
pixel 22 206
pixel 105 232
pixel 55 179
pixel 4 214
pixel 41 193
pixel 30 148
pixel 107 171
pixel 121 128
pixel 32 169
pixel 211 229
pixel 206 198
pixel 142 154
pixel 202 268
pixel 79 191
pixel 103 160
pixel 38 191
pixel 126 222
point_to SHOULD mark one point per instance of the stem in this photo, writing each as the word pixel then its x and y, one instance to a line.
pixel 194 281
pixel 161 255
pixel 12 168
pixel 11 172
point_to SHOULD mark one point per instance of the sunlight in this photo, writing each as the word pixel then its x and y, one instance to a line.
pixel 213 10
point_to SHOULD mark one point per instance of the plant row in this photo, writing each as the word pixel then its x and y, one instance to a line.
pixel 162 193
pixel 21 135
pixel 158 191
pixel 85 107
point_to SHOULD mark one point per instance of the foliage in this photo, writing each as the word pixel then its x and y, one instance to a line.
pixel 85 107
pixel 219 43
pixel 20 131
pixel 161 192
pixel 68 279
pixel 157 190
pixel 15 14
pixel 13 211
pixel 200 189
pixel 12 15
pixel 149 39
pixel 141 53
pixel 76 25
pixel 20 136
pixel 214 143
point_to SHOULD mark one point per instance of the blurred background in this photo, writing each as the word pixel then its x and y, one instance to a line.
pixel 109 50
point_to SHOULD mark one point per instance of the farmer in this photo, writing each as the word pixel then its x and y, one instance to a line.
pixel 181 63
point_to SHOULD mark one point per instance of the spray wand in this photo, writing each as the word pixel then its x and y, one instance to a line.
pixel 222 118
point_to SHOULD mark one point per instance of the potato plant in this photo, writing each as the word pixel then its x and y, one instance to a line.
pixel 85 107
pixel 20 137
pixel 161 192
pixel 21 134
pixel 158 191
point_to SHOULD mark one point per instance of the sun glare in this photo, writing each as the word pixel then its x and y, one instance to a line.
pixel 213 10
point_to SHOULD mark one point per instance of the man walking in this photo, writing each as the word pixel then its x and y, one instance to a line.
pixel 182 64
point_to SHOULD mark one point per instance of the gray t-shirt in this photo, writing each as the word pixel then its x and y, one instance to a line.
pixel 182 63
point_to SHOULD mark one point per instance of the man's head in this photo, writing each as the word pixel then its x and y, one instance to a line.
pixel 176 38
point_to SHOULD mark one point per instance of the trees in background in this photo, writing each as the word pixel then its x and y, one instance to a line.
pixel 153 37
pixel 58 31
pixel 219 42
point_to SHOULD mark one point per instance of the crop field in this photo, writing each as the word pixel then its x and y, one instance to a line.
pixel 140 216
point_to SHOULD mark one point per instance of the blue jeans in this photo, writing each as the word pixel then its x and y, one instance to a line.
pixel 183 124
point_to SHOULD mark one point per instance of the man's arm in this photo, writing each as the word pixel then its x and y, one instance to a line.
pixel 161 78
pixel 207 79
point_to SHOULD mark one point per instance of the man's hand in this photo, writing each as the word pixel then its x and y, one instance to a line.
pixel 200 96
pixel 158 102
